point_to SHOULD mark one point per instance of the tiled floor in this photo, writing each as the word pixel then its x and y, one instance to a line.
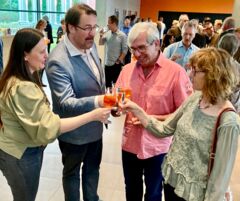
pixel 111 185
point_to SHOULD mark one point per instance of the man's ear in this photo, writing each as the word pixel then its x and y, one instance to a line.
pixel 157 44
pixel 71 28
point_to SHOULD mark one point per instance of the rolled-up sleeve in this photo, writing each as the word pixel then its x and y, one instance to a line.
pixel 28 103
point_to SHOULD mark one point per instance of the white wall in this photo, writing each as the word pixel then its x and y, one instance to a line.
pixel 236 13
pixel 106 8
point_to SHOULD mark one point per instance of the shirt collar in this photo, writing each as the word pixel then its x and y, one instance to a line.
pixel 73 50
pixel 116 32
pixel 181 45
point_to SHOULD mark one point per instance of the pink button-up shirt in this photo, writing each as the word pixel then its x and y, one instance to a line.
pixel 160 93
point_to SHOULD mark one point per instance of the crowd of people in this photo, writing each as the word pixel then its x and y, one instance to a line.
pixel 182 81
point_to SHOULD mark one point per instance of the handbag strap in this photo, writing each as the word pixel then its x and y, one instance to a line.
pixel 214 140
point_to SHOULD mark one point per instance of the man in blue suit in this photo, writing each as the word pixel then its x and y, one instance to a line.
pixel 77 83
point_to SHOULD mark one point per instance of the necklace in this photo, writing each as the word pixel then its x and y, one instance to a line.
pixel 203 107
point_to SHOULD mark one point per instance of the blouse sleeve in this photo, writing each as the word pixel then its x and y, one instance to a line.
pixel 167 128
pixel 31 110
pixel 226 151
pixel 164 128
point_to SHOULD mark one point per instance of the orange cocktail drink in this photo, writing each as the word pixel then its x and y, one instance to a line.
pixel 109 100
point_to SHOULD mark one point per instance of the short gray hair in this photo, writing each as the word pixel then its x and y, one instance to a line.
pixel 229 42
pixel 141 27
pixel 188 24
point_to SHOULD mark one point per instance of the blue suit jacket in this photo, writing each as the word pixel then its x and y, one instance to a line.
pixel 74 87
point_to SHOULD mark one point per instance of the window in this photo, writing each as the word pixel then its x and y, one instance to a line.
pixel 17 14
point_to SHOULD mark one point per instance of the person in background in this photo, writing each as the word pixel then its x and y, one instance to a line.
pixel 206 21
pixel 175 24
pixel 230 43
pixel 125 29
pixel 41 26
pixel 116 50
pixel 218 26
pixel 237 54
pixel 168 39
pixel 199 39
pixel 149 19
pixel 77 84
pixel 27 123
pixel 137 20
pixel 212 37
pixel 229 25
pixel 161 28
pixel 237 33
pixel 159 86
pixel 183 18
pixel 126 25
pixel 61 31
pixel 48 29
pixel 1 56
pixel 185 167
pixel 133 20
pixel 182 50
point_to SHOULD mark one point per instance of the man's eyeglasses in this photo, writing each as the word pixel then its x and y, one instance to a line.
pixel 88 28
pixel 140 49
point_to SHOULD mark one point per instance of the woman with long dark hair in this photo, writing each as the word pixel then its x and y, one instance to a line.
pixel 27 123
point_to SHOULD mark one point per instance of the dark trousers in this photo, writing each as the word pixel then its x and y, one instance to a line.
pixel 73 156
pixel 134 169
pixel 170 195
pixel 22 174
pixel 128 57
pixel 49 47
pixel 112 73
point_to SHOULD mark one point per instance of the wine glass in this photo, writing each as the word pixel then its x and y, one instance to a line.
pixel 128 93
pixel 109 99
pixel 125 93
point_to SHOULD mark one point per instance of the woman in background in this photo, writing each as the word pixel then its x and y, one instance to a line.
pixel 41 26
pixel 61 31
pixel 168 39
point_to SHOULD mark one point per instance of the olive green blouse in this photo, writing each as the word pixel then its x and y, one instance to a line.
pixel 27 118
pixel 186 165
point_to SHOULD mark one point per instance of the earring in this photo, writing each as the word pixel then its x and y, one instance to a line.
pixel 25 58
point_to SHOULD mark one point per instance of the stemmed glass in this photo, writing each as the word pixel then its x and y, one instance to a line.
pixel 121 94
pixel 114 96
pixel 109 99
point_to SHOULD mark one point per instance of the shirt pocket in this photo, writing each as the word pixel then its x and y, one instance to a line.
pixel 160 97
